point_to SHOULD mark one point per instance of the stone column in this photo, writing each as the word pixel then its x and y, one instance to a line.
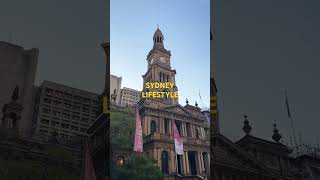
pixel 148 124
pixel 159 157
pixel 144 125
pixel 184 163
pixel 202 162
pixel 192 130
pixel 172 165
pixel 159 123
pixel 199 169
pixel 184 129
pixel 187 163
pixel 170 126
pixel 155 154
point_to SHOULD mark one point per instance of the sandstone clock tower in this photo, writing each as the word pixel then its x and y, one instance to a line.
pixel 157 118
pixel 159 68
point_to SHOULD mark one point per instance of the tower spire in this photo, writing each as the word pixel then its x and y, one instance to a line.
pixel 158 38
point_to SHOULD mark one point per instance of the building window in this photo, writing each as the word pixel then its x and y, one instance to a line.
pixel 153 127
pixel 178 125
pixel 188 129
pixel 44 121
pixel 165 163
pixel 166 126
pixel 180 164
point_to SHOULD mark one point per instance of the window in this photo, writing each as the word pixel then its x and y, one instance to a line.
pixel 166 126
pixel 54 123
pixel 45 110
pixel 165 163
pixel 188 129
pixel 65 126
pixel 178 125
pixel 180 164
pixel 44 121
pixel 153 127
pixel 74 128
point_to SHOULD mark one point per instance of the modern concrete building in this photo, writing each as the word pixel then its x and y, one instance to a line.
pixel 115 89
pixel 18 69
pixel 129 97
pixel 65 110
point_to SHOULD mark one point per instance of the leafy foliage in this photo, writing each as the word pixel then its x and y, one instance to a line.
pixel 139 166
pixel 19 162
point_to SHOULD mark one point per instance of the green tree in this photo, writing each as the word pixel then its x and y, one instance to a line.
pixel 139 166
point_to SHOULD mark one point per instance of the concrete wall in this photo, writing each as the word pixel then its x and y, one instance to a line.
pixel 18 68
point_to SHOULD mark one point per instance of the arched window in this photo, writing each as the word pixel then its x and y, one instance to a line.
pixel 165 163
pixel 153 127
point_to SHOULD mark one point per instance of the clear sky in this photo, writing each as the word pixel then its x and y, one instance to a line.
pixel 262 48
pixel 68 35
pixel 186 29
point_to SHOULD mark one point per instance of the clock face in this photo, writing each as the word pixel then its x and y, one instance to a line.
pixel 162 59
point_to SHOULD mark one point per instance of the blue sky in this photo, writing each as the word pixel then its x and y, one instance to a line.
pixel 186 29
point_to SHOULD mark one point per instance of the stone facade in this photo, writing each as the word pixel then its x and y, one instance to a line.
pixel 18 68
pixel 158 116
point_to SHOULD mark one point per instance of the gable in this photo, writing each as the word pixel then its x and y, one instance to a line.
pixel 229 154
pixel 177 109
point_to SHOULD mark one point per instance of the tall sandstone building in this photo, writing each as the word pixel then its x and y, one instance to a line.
pixel 158 115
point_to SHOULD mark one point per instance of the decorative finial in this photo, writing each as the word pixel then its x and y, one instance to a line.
pixel 157 26
pixel 276 135
pixel 246 127
pixel 196 104
pixel 187 101
pixel 15 94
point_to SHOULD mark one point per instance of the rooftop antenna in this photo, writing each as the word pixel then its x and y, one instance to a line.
pixel 200 99
pixel 291 122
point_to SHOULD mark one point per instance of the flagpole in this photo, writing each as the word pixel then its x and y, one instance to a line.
pixel 291 122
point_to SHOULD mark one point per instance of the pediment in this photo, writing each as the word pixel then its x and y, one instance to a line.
pixel 177 109
pixel 229 154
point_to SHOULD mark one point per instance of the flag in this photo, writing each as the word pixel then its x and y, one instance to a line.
pixel 178 144
pixel 88 166
pixel 287 104
pixel 138 144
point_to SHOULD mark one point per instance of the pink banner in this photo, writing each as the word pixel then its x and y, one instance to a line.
pixel 178 144
pixel 138 142
pixel 89 173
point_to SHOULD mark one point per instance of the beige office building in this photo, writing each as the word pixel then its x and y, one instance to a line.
pixel 129 97
pixel 115 89
pixel 18 69
pixel 65 110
